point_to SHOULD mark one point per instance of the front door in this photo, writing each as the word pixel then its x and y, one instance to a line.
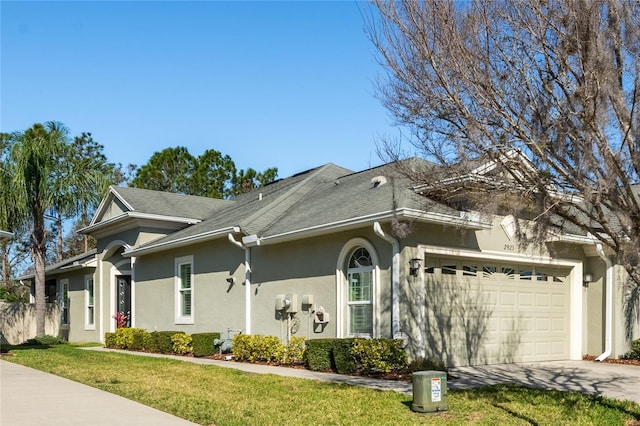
pixel 123 300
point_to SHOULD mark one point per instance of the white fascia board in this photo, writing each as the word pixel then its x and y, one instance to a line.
pixel 180 242
pixel 91 263
pixel 430 217
pixel 106 201
pixel 5 234
pixel 497 255
pixel 135 215
pixel 571 238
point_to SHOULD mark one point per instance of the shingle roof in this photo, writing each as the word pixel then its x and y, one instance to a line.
pixel 168 204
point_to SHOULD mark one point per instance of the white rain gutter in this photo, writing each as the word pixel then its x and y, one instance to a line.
pixel 608 322
pixel 247 282
pixel 395 278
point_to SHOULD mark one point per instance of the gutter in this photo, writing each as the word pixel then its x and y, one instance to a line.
pixel 608 322
pixel 247 243
pixel 395 279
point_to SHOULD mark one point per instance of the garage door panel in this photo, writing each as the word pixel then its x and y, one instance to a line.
pixel 508 319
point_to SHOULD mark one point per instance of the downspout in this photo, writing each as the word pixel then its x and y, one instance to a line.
pixel 247 282
pixel 608 322
pixel 395 279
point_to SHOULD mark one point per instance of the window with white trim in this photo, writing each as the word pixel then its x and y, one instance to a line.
pixel 64 300
pixel 89 312
pixel 360 294
pixel 184 290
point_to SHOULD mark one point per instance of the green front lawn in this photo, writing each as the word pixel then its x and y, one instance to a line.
pixel 213 395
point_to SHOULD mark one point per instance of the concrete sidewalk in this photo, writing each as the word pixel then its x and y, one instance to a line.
pixel 31 397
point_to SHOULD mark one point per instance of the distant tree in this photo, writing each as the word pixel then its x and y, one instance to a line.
pixel 245 181
pixel 212 175
pixel 547 91
pixel 209 175
pixel 39 181
pixel 168 170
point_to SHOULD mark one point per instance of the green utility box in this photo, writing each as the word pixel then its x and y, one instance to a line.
pixel 429 391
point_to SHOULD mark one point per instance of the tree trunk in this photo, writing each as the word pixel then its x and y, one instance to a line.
pixel 59 226
pixel 41 306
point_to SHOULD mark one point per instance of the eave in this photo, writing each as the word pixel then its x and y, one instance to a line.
pixel 464 220
pixel 130 220
pixel 181 242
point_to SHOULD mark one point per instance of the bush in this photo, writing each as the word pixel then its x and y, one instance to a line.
pixel 427 364
pixel 181 343
pixel 318 354
pixel 202 343
pixel 634 353
pixel 160 342
pixel 257 347
pixel 293 351
pixel 379 355
pixel 109 340
pixel 45 340
pixel 130 338
pixel 343 360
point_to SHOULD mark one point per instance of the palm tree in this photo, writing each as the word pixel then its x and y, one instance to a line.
pixel 41 182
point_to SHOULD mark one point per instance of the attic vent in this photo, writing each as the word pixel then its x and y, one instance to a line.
pixel 378 181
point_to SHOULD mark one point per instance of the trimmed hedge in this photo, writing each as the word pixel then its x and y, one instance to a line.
pixel 257 347
pixel 181 343
pixel 318 354
pixel 129 338
pixel 634 353
pixel 379 355
pixel 343 359
pixel 202 343
pixel 294 351
pixel 160 341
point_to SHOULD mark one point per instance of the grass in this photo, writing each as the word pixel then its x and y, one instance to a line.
pixel 211 395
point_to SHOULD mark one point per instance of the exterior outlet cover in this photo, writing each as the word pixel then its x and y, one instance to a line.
pixel 307 299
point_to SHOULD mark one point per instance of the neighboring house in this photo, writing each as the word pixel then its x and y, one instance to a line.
pixel 316 255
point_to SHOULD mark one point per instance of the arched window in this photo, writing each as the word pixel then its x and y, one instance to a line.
pixel 360 283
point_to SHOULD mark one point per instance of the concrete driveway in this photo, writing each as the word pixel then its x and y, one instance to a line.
pixel 617 381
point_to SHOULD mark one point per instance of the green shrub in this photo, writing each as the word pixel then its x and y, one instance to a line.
pixel 634 353
pixel 45 340
pixel 318 354
pixel 202 343
pixel 257 347
pixel 109 340
pixel 426 364
pixel 343 360
pixel 379 355
pixel 181 343
pixel 293 351
pixel 160 342
pixel 129 338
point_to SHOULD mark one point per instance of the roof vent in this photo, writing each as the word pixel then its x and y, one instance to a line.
pixel 378 181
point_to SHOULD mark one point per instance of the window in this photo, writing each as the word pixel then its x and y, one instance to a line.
pixel 359 294
pixel 88 303
pixel 64 284
pixel 184 290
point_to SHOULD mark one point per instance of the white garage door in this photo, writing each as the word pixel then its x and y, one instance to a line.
pixel 486 313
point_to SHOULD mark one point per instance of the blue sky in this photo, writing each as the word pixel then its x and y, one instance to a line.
pixel 272 84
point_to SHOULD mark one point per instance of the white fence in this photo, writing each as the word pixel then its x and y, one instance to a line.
pixel 18 321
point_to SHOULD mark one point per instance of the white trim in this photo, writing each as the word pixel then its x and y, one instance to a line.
pixel 126 216
pixel 87 325
pixel 179 318
pixel 575 279
pixel 5 234
pixel 133 292
pixel 181 242
pixel 341 289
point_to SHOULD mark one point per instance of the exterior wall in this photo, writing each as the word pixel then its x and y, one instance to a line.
pixel 18 321
pixel 624 331
pixel 307 268
pixel 594 301
pixel 77 329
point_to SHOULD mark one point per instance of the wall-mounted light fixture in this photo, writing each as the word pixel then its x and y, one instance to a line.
pixel 414 267
pixel 588 277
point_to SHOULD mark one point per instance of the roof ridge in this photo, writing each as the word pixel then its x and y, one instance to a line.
pixel 290 197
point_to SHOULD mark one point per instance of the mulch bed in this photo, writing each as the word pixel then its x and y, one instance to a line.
pixel 613 360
